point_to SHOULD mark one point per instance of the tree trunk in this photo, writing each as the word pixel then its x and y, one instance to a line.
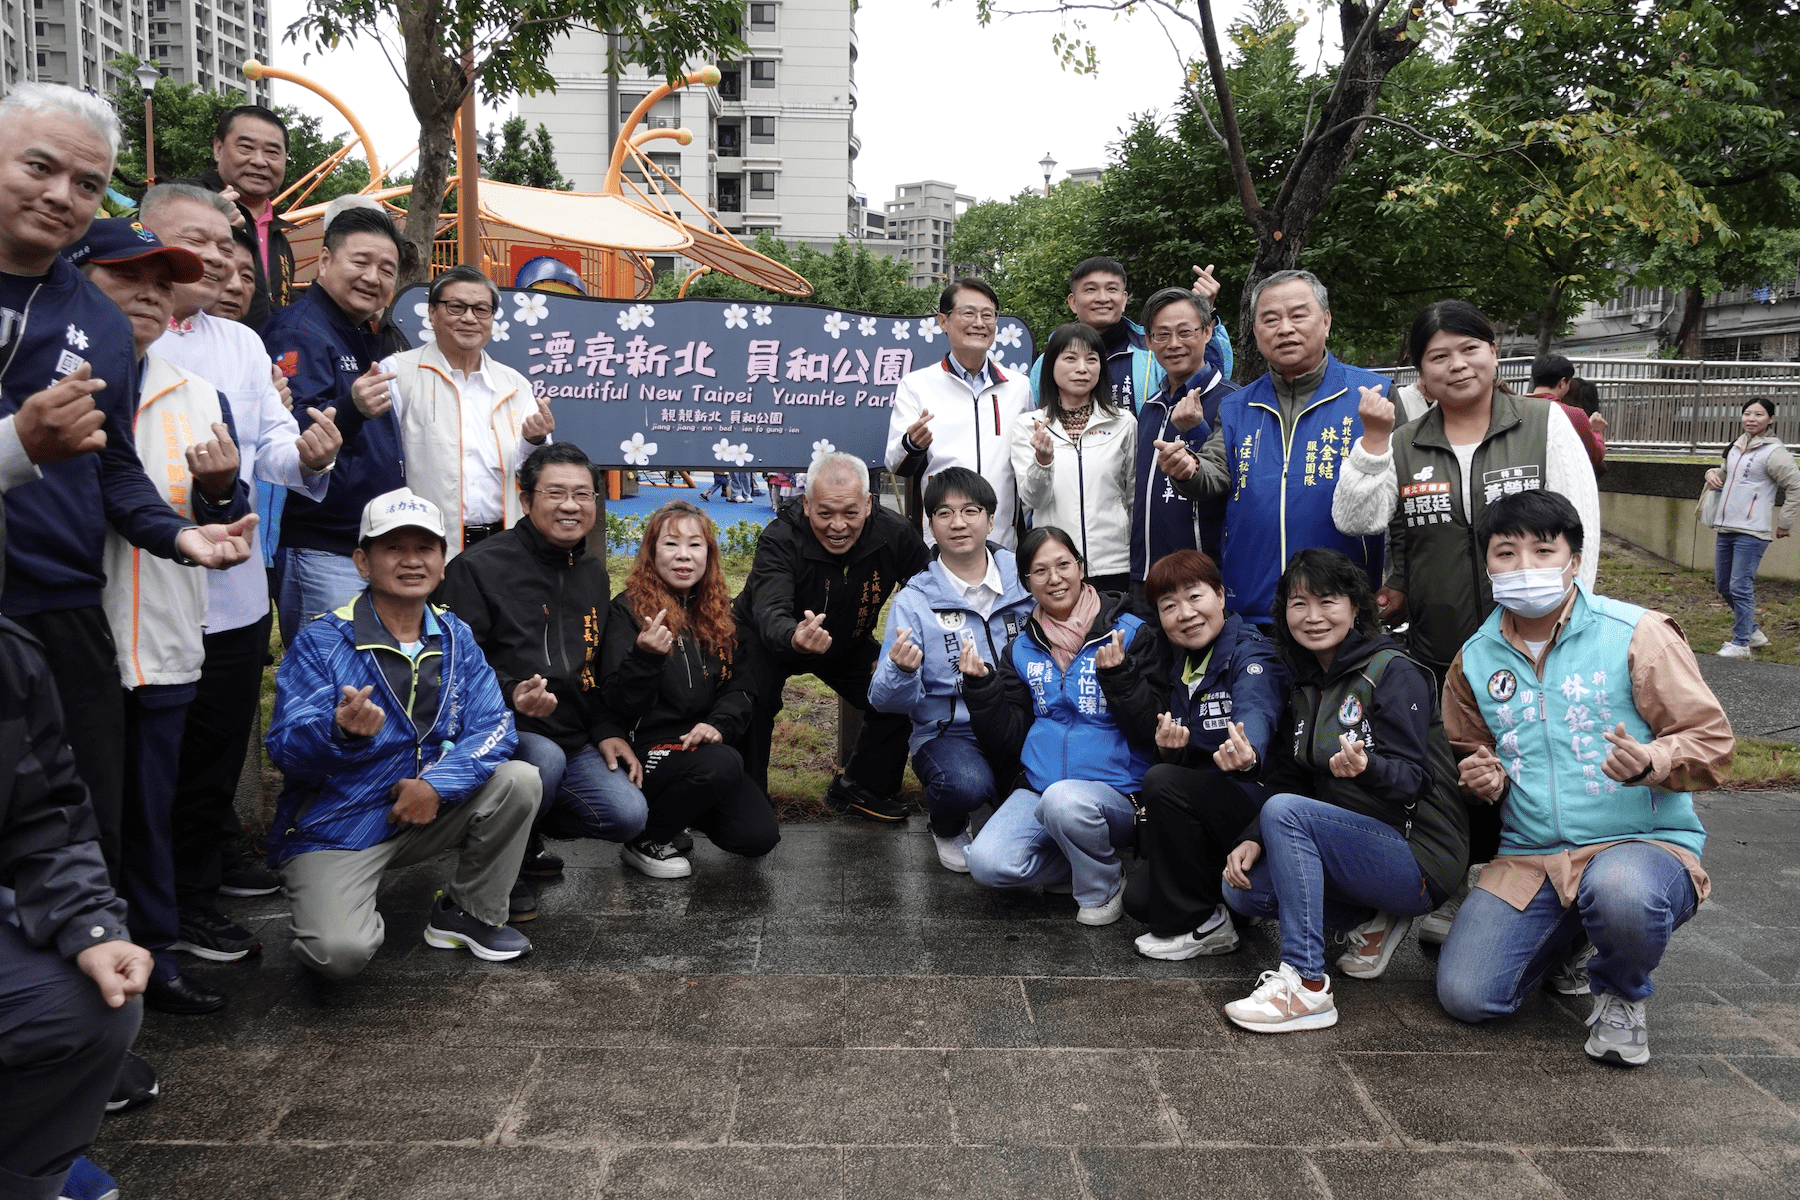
pixel 1550 320
pixel 1693 303
pixel 434 78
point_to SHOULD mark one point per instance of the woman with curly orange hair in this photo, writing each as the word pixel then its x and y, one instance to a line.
pixel 673 672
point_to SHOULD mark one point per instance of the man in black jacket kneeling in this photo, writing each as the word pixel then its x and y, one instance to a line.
pixel 823 570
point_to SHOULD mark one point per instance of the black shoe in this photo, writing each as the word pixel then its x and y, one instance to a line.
pixel 450 928
pixel 244 876
pixel 183 995
pixel 136 1085
pixel 854 797
pixel 522 904
pixel 207 933
pixel 683 842
pixel 540 863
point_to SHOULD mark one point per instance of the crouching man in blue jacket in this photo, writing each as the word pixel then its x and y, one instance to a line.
pixel 395 741
pixel 971 590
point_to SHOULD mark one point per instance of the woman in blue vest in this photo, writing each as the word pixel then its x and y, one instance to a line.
pixel 1053 705
pixel 1364 828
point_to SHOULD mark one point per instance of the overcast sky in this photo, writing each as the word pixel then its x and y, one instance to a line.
pixel 939 97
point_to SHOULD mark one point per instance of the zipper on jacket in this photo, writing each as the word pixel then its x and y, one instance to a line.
pixel 1287 452
pixel 1081 493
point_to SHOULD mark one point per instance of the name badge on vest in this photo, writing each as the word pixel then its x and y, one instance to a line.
pixel 1502 685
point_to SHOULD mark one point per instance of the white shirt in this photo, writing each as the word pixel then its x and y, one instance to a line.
pixel 231 357
pixel 984 593
pixel 483 473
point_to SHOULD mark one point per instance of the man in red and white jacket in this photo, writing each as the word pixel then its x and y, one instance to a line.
pixel 960 412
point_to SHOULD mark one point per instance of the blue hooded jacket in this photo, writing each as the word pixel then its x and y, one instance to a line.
pixel 939 618
pixel 1162 519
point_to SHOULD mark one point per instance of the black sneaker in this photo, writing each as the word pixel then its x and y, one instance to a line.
pixel 208 934
pixel 683 842
pixel 183 996
pixel 540 863
pixel 450 928
pixel 658 860
pixel 522 904
pixel 137 1085
pixel 846 795
pixel 244 876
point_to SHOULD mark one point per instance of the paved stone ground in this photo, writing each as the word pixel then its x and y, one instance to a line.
pixel 846 1019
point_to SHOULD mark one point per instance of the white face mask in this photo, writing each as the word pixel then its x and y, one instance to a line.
pixel 1531 591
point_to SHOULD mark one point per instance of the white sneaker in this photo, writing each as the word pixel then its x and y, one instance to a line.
pixel 1372 945
pixel 1282 1004
pixel 1758 639
pixel 658 860
pixel 1734 650
pixel 1620 1033
pixel 1571 976
pixel 1106 913
pixel 1216 936
pixel 951 852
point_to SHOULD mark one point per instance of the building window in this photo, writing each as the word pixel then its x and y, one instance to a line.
pixel 629 101
pixel 731 194
pixel 730 145
pixel 762 16
pixel 762 183
pixel 762 129
pixel 762 73
pixel 731 84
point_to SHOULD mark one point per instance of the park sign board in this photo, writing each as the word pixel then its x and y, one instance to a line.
pixel 713 384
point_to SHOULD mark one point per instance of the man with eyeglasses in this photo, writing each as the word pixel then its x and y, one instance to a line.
pixel 960 412
pixel 537 604
pixel 1184 409
pixel 466 419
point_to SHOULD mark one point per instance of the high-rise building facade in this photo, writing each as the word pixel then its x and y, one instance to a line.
pixel 74 42
pixel 921 217
pixel 774 142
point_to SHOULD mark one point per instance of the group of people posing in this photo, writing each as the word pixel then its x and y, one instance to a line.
pixel 1138 608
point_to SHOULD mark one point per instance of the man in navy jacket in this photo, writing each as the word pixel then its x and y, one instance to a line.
pixel 327 344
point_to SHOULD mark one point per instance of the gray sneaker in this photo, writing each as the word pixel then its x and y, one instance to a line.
pixel 1571 976
pixel 1619 1033
pixel 1434 926
pixel 1758 638
pixel 450 928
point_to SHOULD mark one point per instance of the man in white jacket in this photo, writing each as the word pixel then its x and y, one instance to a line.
pixel 959 412
pixel 466 420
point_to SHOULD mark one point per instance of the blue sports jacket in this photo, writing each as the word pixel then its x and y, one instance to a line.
pixel 1162 519
pixel 939 619
pixel 337 785
pixel 322 351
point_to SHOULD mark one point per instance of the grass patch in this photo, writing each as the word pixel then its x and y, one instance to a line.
pixel 1761 763
pixel 1637 576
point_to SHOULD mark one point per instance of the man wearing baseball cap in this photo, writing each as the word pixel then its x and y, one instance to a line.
pixel 155 608
pixel 391 730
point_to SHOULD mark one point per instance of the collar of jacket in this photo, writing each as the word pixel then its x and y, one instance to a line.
pixel 993 369
pixel 213 182
pixel 935 580
pixel 1577 610
pixel 1504 414
pixel 368 633
pixel 1232 631
pixel 1111 605
pixel 543 549
pixel 316 294
pixel 1199 383
pixel 432 358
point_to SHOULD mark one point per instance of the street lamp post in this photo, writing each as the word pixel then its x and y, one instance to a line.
pixel 1048 164
pixel 147 75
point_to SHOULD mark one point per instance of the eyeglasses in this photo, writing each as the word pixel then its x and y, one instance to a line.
pixel 1041 573
pixel 1186 333
pixel 556 495
pixel 457 308
pixel 968 312
pixel 969 512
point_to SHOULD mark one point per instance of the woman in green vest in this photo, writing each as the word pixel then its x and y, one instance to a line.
pixel 1364 828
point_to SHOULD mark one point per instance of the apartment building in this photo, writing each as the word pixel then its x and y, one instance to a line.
pixel 73 42
pixel 774 143
pixel 921 217
pixel 1747 324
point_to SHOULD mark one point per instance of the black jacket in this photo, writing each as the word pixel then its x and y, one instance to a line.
pixel 659 697
pixel 793 573
pixel 273 290
pixel 1245 683
pixel 536 609
pixel 49 847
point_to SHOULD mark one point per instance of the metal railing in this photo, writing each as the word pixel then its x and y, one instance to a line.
pixel 1667 405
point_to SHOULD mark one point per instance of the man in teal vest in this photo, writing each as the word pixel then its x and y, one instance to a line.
pixel 1587 721
pixel 1278 446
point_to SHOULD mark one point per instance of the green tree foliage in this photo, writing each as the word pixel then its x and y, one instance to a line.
pixel 507 43
pixel 529 161
pixel 187 116
pixel 850 277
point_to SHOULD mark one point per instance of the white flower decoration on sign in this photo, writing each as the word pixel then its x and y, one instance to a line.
pixel 531 308
pixel 734 316
pixel 822 447
pixel 637 451
pixel 902 330
pixel 836 323
pixel 741 456
pixel 866 326
pixel 426 333
pixel 928 329
pixel 1009 336
pixel 500 328
pixel 637 314
pixel 761 314
pixel 722 449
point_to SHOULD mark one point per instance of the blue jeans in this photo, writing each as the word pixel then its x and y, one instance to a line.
pixel 312 582
pixel 957 779
pixel 1735 559
pixel 583 797
pixel 1632 897
pixel 1321 866
pixel 1065 835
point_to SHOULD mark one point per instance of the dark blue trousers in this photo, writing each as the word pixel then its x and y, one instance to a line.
pixel 155 716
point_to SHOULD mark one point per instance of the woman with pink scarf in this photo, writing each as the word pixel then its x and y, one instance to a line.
pixel 1061 703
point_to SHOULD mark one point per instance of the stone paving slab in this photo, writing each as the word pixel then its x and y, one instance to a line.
pixel 846 1019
